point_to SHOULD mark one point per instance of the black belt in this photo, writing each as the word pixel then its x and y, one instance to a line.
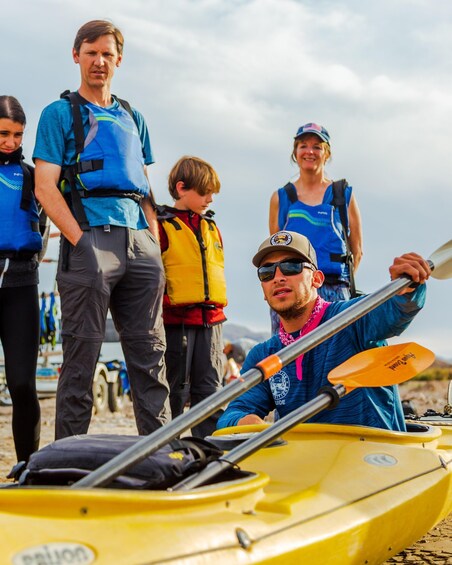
pixel 17 255
pixel 104 192
pixel 200 305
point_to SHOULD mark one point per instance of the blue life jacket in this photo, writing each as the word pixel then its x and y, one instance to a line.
pixel 109 158
pixel 322 225
pixel 20 236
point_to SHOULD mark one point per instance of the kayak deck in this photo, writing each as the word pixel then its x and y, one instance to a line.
pixel 329 494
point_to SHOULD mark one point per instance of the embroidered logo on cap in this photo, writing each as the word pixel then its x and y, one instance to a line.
pixel 281 238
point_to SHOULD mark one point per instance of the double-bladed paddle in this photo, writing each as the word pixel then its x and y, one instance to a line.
pixel 382 366
pixel 441 263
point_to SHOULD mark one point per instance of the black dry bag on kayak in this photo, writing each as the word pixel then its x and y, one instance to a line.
pixel 67 460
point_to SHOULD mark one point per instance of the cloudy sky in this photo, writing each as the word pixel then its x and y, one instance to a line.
pixel 231 81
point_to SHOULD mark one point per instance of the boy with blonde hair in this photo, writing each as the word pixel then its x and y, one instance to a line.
pixel 195 293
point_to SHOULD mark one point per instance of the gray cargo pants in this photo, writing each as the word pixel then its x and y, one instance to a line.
pixel 120 269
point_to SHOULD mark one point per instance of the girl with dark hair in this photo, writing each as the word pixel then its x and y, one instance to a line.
pixel 21 244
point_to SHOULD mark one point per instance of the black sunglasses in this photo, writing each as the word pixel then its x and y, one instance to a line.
pixel 288 267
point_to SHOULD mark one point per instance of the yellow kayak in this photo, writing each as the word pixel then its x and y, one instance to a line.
pixel 327 494
pixel 322 494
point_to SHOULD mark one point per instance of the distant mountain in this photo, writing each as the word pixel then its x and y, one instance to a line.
pixel 233 332
pixel 439 363
pixel 236 332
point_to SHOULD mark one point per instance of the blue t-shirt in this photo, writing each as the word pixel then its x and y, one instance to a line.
pixel 377 407
pixel 55 143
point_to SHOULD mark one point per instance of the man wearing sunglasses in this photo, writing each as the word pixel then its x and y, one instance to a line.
pixel 287 268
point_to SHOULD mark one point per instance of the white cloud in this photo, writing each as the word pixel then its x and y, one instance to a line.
pixel 232 81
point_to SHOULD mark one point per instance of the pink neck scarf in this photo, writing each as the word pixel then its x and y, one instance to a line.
pixel 314 320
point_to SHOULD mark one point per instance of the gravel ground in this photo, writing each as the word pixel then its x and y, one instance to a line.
pixel 435 548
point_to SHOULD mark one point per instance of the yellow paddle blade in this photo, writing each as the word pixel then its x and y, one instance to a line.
pixel 382 366
pixel 442 261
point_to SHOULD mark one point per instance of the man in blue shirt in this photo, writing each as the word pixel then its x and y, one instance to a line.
pixel 91 154
pixel 287 269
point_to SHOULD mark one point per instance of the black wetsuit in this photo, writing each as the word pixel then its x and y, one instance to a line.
pixel 19 336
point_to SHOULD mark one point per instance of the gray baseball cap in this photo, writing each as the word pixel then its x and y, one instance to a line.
pixel 286 241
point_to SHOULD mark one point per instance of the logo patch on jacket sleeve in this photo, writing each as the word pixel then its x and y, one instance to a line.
pixel 280 385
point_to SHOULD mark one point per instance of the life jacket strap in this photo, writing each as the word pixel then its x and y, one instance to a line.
pixel 74 200
pixel 27 186
pixel 174 223
pixel 88 166
pixel 339 258
pixel 101 193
